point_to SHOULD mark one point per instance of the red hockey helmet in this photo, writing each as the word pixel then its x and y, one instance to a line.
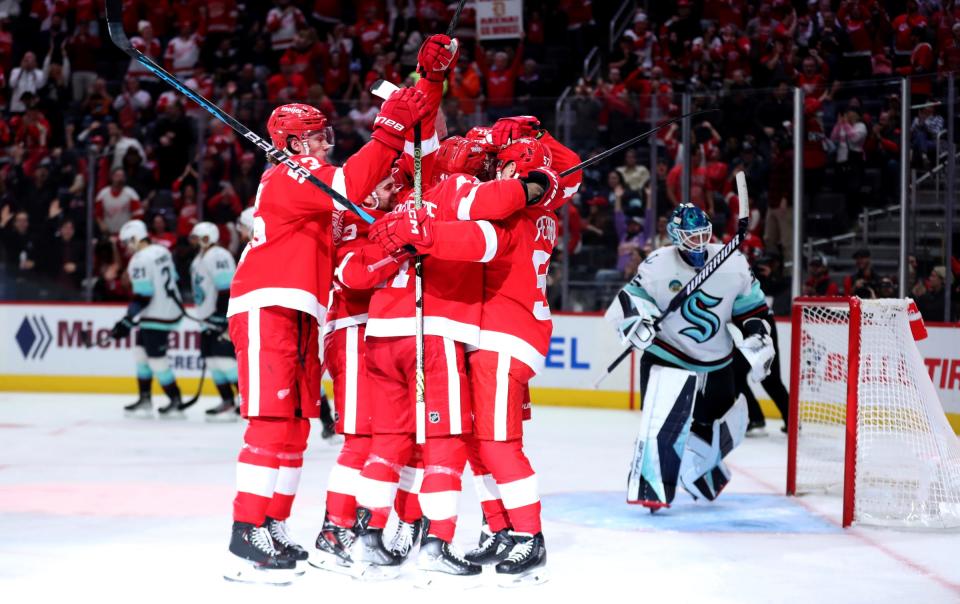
pixel 459 155
pixel 527 153
pixel 483 136
pixel 297 120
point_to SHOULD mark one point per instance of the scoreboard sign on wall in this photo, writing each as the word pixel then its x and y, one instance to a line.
pixel 499 19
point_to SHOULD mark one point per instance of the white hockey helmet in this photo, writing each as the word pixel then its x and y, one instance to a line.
pixel 245 222
pixel 206 232
pixel 133 232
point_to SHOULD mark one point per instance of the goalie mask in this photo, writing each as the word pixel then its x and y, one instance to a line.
pixel 690 229
pixel 301 122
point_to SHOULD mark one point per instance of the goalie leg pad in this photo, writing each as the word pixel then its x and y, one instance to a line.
pixel 668 395
pixel 702 471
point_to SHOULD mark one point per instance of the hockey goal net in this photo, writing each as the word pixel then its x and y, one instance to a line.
pixel 865 419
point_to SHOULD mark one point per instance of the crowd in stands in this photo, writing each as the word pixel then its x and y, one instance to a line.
pixel 79 115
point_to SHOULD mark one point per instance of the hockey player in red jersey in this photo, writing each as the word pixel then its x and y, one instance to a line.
pixel 277 298
pixel 452 295
pixel 344 359
pixel 514 339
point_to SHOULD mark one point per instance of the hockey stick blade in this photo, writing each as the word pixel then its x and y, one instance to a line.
pixel 708 269
pixel 119 37
pixel 602 156
pixel 383 89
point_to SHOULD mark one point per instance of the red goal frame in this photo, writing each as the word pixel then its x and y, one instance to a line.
pixel 852 303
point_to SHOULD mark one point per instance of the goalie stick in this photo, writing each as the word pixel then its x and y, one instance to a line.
pixel 708 269
pixel 114 8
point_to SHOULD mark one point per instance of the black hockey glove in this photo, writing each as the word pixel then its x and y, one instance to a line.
pixel 122 328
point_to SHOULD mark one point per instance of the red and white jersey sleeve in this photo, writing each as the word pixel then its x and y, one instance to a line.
pixel 353 283
pixel 515 317
pixel 289 260
pixel 469 199
pixel 453 289
pixel 563 158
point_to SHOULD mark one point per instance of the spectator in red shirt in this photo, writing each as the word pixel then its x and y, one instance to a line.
pixel 818 282
pixel 920 68
pixel 501 78
pixel 371 31
pixel 286 86
pixel 903 25
pixel 812 77
pixel 160 233
pixel 307 55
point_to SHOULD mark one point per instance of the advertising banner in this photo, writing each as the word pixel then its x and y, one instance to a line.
pixel 499 19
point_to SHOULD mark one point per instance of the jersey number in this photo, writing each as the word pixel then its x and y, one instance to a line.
pixel 541 262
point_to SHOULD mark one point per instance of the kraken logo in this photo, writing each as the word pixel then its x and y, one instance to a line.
pixel 703 323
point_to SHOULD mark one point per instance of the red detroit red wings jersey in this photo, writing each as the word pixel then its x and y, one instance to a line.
pixel 353 283
pixel 289 260
pixel 452 289
pixel 516 315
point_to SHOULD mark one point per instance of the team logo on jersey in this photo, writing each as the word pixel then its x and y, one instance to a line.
pixel 703 323
pixel 675 286
pixel 434 417
pixel 546 229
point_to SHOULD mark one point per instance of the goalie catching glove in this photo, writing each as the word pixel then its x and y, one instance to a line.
pixel 633 314
pixel 397 230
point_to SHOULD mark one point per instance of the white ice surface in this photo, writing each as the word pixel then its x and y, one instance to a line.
pixel 98 508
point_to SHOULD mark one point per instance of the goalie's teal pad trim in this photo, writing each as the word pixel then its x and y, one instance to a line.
pixel 639 292
pixel 730 513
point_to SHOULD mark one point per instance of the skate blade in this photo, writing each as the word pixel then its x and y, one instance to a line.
pixel 241 571
pixel 330 563
pixel 433 579
pixel 222 418
pixel 175 415
pixel 534 576
pixel 364 571
pixel 138 414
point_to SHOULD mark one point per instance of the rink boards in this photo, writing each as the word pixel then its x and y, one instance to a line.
pixel 48 348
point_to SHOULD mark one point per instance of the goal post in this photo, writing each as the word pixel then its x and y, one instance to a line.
pixel 865 420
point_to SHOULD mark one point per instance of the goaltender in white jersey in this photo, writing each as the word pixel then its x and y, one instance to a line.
pixel 685 374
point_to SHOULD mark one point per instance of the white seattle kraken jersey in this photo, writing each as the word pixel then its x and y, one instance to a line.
pixel 695 335
pixel 210 273
pixel 153 275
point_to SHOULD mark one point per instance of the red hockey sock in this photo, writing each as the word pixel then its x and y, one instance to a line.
pixel 444 459
pixel 407 502
pixel 488 493
pixel 381 472
pixel 344 480
pixel 517 482
pixel 290 468
pixel 257 468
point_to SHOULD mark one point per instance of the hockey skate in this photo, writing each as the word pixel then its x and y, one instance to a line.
pixel 254 559
pixel 332 549
pixel 526 564
pixel 172 410
pixel 141 409
pixel 493 547
pixel 287 547
pixel 440 564
pixel 226 411
pixel 407 536
pixel 757 428
pixel 371 560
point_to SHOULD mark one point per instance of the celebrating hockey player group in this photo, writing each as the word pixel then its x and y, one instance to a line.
pixel 318 288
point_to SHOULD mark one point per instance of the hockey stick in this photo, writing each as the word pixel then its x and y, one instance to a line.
pixel 119 37
pixel 604 155
pixel 421 407
pixel 455 19
pixel 708 269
